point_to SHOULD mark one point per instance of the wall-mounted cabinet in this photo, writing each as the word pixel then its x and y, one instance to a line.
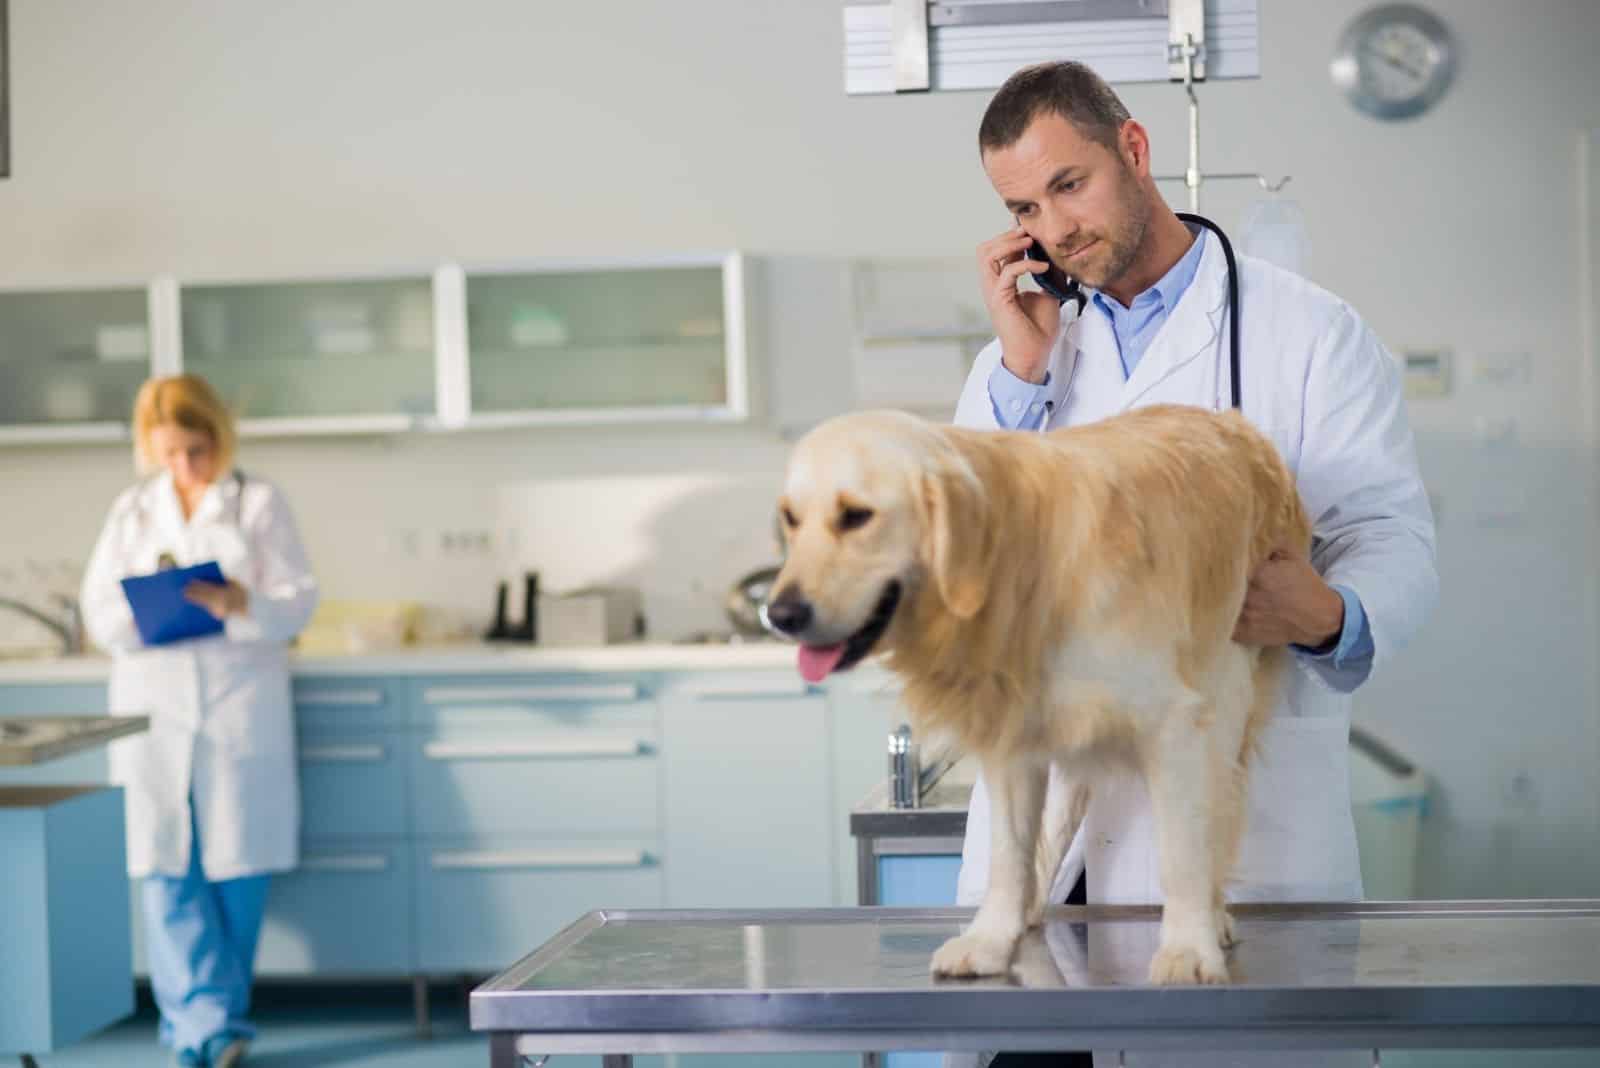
pixel 71 361
pixel 330 355
pixel 659 340
pixel 559 343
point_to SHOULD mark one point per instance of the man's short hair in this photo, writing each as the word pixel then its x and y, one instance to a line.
pixel 1068 89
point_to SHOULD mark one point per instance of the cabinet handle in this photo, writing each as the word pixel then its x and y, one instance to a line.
pixel 435 695
pixel 491 859
pixel 343 754
pixel 345 862
pixel 340 698
pixel 512 749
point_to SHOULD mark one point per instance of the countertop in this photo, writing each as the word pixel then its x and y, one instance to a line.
pixel 467 659
pixel 943 813
pixel 36 739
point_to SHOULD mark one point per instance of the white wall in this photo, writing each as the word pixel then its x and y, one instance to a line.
pixel 235 137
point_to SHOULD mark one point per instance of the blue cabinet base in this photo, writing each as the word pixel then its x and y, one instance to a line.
pixel 66 964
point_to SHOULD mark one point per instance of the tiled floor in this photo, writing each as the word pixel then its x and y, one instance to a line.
pixel 308 1028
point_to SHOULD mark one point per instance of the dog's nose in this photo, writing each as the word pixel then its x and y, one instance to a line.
pixel 789 612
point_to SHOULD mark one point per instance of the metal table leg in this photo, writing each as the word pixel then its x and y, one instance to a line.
pixel 503 1050
pixel 419 1005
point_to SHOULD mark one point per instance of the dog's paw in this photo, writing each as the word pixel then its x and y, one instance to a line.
pixel 1185 966
pixel 1227 937
pixel 973 954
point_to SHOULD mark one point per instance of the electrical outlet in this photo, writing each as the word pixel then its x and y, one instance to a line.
pixel 1427 372
pixel 459 543
pixel 1503 368
pixel 405 542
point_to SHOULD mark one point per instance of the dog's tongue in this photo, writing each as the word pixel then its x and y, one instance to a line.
pixel 816 662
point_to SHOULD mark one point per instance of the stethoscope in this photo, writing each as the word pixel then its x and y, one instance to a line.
pixel 166 561
pixel 1074 292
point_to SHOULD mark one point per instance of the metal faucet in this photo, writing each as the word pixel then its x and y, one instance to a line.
pixel 68 627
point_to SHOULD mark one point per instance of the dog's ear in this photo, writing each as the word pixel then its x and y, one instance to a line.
pixel 956 539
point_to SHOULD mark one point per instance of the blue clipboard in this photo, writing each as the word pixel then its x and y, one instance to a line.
pixel 159 610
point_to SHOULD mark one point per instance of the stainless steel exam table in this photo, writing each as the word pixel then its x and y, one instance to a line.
pixel 1431 975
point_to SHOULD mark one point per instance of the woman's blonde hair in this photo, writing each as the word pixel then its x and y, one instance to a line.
pixel 187 401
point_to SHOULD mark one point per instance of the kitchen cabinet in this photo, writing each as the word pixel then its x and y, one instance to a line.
pixel 547 342
pixel 71 361
pixel 345 911
pixel 65 969
pixel 597 342
pixel 451 821
pixel 314 355
pixel 746 760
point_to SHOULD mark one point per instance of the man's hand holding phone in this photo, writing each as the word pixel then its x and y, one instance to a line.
pixel 1025 323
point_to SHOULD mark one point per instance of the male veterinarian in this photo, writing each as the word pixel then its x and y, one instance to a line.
pixel 1074 171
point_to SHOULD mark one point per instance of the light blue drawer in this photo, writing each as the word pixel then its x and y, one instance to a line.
pixel 353 782
pixel 484 903
pixel 531 779
pixel 565 701
pixel 336 702
pixel 345 911
pixel 918 881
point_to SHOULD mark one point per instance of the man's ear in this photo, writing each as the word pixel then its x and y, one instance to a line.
pixel 1133 145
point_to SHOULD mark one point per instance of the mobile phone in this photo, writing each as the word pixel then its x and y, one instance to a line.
pixel 1054 281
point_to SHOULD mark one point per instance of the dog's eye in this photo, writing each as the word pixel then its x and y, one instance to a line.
pixel 789 520
pixel 851 518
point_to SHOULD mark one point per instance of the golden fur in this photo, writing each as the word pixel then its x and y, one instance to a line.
pixel 1070 599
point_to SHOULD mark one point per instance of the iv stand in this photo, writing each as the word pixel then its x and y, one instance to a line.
pixel 1193 178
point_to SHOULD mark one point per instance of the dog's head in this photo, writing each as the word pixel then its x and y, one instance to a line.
pixel 880 511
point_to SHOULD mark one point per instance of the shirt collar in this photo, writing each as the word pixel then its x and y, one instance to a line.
pixel 1169 288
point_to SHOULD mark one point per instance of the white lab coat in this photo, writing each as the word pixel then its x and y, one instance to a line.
pixel 221 720
pixel 1328 394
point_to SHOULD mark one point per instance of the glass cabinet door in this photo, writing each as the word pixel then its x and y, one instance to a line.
pixel 314 349
pixel 72 357
pixel 597 339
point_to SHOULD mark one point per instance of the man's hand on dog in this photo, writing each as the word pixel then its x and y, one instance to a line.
pixel 1289 604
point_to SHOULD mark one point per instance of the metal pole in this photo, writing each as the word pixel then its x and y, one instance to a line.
pixel 1191 177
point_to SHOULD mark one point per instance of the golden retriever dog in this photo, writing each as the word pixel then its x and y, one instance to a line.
pixel 1065 598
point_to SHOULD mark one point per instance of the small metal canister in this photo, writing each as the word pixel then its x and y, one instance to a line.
pixel 905 770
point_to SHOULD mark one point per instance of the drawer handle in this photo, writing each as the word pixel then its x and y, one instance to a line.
pixel 343 754
pixel 340 698
pixel 490 859
pixel 550 747
pixel 436 695
pixel 345 862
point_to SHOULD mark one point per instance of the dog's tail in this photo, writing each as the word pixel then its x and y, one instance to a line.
pixel 1268 677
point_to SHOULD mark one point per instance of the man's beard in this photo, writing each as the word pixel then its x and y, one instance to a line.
pixel 1120 246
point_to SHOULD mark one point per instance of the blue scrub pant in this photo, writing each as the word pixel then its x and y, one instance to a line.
pixel 201 948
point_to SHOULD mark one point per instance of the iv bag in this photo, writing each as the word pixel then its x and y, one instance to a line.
pixel 1275 231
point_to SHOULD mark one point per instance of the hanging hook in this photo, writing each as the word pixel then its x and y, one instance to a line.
pixel 1273 187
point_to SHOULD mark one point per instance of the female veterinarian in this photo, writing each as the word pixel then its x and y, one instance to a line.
pixel 1074 171
pixel 212 801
